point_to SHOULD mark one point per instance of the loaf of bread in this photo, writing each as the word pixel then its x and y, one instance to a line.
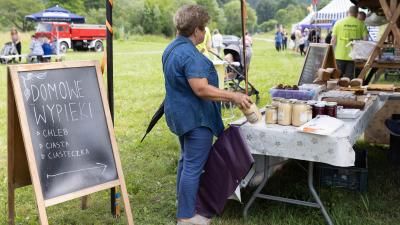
pixel 356 82
pixel 347 103
pixel 344 82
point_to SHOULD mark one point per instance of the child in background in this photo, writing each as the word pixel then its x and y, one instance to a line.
pixel 47 50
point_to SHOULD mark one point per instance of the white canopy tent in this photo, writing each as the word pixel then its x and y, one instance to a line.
pixel 327 16
pixel 333 11
pixel 305 22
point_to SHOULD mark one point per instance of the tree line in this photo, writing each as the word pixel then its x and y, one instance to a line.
pixel 155 16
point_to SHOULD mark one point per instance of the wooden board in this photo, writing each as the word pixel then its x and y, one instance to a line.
pixel 67 132
pixel 318 56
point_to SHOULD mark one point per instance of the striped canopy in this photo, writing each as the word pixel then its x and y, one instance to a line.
pixel 335 10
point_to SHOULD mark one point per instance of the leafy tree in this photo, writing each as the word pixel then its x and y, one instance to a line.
pixel 216 14
pixel 13 13
pixel 96 4
pixel 290 14
pixel 75 6
pixel 323 3
pixel 268 25
pixel 266 10
pixel 232 14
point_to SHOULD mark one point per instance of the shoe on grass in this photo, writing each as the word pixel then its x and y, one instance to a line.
pixel 195 220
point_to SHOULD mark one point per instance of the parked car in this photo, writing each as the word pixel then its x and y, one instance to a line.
pixel 230 40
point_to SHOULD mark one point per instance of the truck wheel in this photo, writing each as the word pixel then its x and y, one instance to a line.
pixel 98 46
pixel 63 47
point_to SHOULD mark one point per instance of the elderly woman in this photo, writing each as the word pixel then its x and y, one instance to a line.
pixel 191 105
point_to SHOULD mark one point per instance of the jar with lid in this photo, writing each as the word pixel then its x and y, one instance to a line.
pixel 299 113
pixel 276 101
pixel 285 113
pixel 309 113
pixel 319 109
pixel 271 114
pixel 252 114
pixel 331 109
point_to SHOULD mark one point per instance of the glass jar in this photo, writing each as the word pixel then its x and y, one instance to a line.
pixel 271 114
pixel 331 109
pixel 318 109
pixel 309 113
pixel 299 114
pixel 276 101
pixel 285 113
pixel 252 114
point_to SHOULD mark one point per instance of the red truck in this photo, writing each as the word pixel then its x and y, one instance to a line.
pixel 75 36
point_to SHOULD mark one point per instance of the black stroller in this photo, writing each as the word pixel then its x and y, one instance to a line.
pixel 235 70
pixel 7 50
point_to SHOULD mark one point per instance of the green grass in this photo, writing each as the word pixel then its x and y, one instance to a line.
pixel 150 167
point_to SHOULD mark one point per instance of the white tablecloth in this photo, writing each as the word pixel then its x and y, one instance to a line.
pixel 287 142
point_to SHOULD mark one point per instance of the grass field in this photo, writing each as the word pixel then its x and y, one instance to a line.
pixel 150 167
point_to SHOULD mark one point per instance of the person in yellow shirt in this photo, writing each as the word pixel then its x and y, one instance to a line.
pixel 345 31
pixel 205 46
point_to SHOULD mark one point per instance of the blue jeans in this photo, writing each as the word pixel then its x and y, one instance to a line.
pixel 195 147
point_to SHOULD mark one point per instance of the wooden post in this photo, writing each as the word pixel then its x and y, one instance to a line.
pixel 110 79
pixel 392 14
pixel 10 151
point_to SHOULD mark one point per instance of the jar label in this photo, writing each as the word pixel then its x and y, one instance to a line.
pixel 274 117
pixel 303 117
pixel 252 118
pixel 281 115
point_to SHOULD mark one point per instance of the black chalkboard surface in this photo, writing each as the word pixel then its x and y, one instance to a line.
pixel 315 59
pixel 68 128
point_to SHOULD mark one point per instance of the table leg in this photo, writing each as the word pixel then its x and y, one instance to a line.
pixel 314 193
pixel 259 188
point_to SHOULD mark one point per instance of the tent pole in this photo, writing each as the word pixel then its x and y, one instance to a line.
pixel 110 81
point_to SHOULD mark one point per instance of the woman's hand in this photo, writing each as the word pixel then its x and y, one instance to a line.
pixel 241 100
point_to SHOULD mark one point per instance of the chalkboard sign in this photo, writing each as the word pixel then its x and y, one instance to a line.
pixel 315 59
pixel 68 128
pixel 68 137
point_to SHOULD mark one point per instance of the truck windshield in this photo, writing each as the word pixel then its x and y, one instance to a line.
pixel 43 27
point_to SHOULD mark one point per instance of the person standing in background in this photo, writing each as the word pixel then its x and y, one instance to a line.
pixel 344 32
pixel 205 46
pixel 306 35
pixel 248 39
pixel 302 45
pixel 361 16
pixel 278 39
pixel 16 40
pixel 284 40
pixel 293 39
pixel 299 36
pixel 36 53
pixel 217 41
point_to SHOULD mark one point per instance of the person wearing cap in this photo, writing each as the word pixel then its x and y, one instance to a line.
pixel 344 32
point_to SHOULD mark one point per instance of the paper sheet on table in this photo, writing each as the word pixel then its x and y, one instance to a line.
pixel 321 125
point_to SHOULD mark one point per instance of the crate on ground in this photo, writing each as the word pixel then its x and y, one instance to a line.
pixel 352 178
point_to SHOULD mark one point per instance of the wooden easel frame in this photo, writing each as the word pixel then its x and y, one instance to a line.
pixel 328 61
pixel 20 147
pixel 392 14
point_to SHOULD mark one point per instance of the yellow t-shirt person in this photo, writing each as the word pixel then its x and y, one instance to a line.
pixel 345 31
pixel 202 47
